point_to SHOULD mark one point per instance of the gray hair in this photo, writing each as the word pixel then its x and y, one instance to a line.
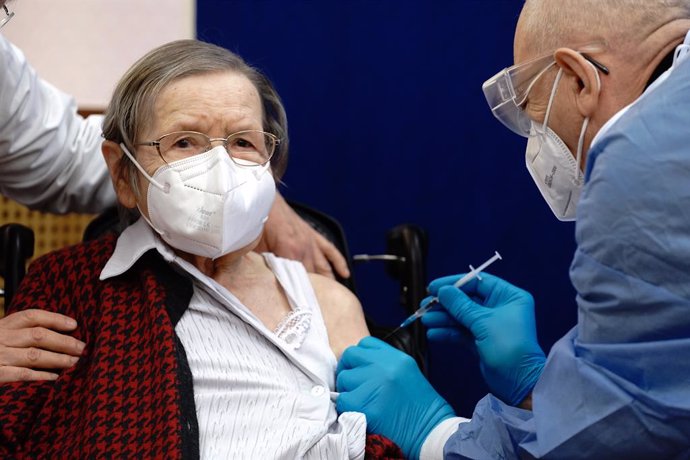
pixel 555 23
pixel 134 98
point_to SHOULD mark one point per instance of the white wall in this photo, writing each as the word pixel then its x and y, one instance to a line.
pixel 84 46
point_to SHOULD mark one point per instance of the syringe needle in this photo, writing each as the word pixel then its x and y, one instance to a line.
pixel 391 333
pixel 473 273
pixel 411 319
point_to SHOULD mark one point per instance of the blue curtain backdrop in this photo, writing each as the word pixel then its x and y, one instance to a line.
pixel 388 124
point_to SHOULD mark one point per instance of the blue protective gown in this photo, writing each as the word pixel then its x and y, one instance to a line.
pixel 617 386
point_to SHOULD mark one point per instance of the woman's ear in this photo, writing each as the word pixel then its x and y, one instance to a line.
pixel 588 89
pixel 112 153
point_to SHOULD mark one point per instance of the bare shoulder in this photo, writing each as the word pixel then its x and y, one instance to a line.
pixel 342 313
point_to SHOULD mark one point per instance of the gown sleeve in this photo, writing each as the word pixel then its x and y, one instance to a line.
pixel 50 156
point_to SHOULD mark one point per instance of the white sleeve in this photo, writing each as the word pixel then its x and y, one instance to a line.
pixel 432 449
pixel 50 157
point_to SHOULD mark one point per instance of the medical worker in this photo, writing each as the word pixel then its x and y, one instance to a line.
pixel 601 90
pixel 50 159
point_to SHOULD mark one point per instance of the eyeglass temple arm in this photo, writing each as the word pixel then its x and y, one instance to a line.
pixel 596 64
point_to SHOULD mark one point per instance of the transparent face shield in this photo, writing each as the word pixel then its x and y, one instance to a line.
pixel 507 91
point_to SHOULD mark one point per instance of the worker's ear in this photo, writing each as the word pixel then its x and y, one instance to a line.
pixel 119 173
pixel 587 83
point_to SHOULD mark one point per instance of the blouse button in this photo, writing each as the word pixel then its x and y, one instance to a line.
pixel 317 390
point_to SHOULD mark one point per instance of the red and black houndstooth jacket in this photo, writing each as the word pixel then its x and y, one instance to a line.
pixel 130 395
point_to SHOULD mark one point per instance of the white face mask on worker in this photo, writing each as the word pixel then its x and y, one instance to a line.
pixel 208 205
pixel 556 172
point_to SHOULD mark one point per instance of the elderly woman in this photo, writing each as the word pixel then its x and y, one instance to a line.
pixel 195 344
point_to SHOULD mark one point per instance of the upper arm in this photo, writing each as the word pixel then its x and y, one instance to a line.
pixel 45 142
pixel 342 313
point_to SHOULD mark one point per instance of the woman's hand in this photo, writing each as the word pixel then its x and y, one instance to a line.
pixel 287 235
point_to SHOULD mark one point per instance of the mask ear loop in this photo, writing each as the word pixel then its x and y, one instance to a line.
pixel 585 124
pixel 681 51
pixel 261 170
pixel 519 103
pixel 551 98
pixel 153 181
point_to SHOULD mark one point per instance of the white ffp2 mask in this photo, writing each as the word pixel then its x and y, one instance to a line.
pixel 552 166
pixel 207 205
pixel 555 171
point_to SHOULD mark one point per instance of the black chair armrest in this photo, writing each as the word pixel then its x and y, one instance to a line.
pixel 16 247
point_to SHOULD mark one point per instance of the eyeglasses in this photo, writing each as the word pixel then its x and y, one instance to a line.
pixel 8 15
pixel 246 148
pixel 507 91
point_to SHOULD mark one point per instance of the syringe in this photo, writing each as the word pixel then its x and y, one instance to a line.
pixel 473 273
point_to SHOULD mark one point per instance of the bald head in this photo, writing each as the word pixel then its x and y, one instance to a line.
pixel 548 24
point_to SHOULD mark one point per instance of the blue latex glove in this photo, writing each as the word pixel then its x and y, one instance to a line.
pixel 500 316
pixel 387 386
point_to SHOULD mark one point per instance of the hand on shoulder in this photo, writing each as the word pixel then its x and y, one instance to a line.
pixel 29 342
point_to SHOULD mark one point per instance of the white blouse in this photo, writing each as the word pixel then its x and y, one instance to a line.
pixel 258 393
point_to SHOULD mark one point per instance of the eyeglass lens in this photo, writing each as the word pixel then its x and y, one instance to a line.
pixel 245 147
